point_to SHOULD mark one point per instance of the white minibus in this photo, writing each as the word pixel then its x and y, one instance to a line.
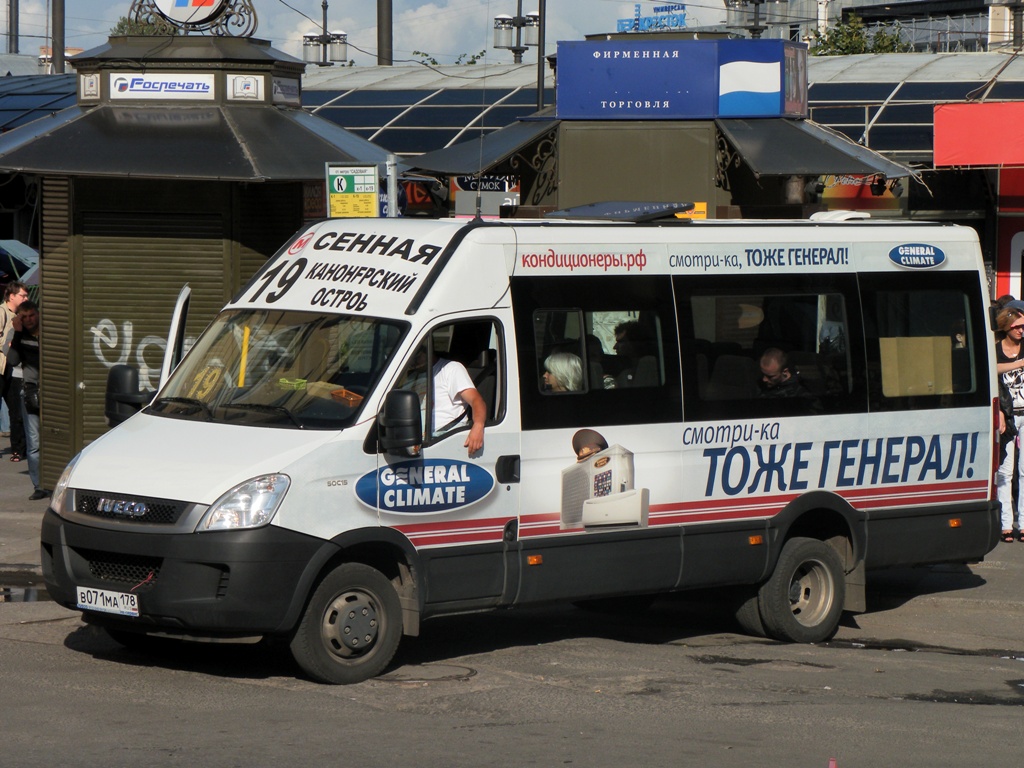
pixel 775 408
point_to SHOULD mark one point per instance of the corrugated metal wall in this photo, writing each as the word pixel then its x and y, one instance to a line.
pixel 133 266
pixel 115 255
pixel 58 434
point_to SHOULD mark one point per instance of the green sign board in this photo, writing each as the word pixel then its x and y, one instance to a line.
pixel 352 191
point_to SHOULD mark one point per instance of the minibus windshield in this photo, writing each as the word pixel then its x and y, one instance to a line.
pixel 294 370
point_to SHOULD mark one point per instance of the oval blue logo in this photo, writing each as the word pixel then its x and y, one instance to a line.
pixel 917 256
pixel 425 485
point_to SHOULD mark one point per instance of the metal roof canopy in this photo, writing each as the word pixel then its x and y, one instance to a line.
pixel 783 147
pixel 770 146
pixel 148 135
pixel 883 100
pixel 477 155
pixel 229 143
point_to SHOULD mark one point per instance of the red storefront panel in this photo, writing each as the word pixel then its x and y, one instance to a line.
pixel 979 134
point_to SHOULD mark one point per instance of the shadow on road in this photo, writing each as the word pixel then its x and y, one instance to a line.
pixel 894 587
pixel 671 619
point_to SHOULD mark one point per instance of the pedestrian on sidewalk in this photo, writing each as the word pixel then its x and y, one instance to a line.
pixel 26 345
pixel 14 294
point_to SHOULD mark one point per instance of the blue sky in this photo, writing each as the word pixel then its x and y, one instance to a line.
pixel 443 28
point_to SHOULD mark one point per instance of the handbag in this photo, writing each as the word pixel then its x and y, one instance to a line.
pixel 30 396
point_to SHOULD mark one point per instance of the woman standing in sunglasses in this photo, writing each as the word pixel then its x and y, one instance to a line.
pixel 1010 367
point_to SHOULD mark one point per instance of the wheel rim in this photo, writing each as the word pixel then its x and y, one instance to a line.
pixel 811 592
pixel 351 624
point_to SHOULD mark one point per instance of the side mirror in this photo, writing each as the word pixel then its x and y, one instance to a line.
pixel 124 398
pixel 399 424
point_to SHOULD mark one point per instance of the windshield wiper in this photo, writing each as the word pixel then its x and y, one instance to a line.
pixel 199 404
pixel 266 407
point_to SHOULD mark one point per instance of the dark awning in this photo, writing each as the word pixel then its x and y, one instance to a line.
pixel 230 143
pixel 478 155
pixel 786 147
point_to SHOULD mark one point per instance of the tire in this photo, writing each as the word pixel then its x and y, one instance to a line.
pixel 748 613
pixel 803 600
pixel 351 627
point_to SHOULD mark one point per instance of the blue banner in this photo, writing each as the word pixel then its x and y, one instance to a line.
pixel 681 79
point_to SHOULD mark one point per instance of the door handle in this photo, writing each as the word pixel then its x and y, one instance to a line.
pixel 506 469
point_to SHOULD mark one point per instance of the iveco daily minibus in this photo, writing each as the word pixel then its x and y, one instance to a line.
pixel 773 407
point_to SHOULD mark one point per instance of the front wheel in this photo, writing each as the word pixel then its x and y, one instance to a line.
pixel 803 599
pixel 351 627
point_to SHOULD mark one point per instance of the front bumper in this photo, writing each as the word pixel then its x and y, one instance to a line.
pixel 223 584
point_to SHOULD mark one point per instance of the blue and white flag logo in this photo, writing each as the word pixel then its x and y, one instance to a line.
pixel 424 486
pixel 749 88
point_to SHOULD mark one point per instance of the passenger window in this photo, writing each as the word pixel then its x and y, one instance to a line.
pixel 923 341
pixel 581 350
pixel 780 350
pixel 596 350
pixel 460 355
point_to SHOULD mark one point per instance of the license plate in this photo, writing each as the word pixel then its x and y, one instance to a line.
pixel 104 601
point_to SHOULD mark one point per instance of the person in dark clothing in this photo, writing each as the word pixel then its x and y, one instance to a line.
pixel 777 379
pixel 26 344
pixel 14 295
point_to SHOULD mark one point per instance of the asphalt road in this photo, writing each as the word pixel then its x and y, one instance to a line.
pixel 932 675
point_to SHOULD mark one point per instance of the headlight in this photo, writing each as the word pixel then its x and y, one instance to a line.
pixel 61 495
pixel 249 505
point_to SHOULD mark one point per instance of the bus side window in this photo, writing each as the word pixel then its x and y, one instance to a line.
pixel 922 342
pixel 779 348
pixel 615 334
pixel 477 346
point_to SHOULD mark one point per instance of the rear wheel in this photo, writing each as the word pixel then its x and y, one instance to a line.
pixel 803 599
pixel 748 612
pixel 351 627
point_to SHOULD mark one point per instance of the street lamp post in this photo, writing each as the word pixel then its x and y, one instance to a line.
pixel 325 47
pixel 519 32
pixel 739 15
pixel 509 32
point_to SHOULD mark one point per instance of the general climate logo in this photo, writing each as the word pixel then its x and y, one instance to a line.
pixel 917 256
pixel 424 486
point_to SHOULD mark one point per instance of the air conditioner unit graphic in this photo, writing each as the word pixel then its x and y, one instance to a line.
pixel 598 490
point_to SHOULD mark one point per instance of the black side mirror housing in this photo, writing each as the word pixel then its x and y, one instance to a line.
pixel 124 398
pixel 399 424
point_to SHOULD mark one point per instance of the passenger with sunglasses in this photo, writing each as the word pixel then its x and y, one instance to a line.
pixel 1010 367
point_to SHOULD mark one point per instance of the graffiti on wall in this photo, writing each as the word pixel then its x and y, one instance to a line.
pixel 114 344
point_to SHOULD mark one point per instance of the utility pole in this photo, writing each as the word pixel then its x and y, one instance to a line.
pixel 1018 18
pixel 385 33
pixel 12 26
pixel 57 44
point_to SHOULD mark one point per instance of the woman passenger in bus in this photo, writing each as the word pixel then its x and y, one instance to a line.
pixel 563 372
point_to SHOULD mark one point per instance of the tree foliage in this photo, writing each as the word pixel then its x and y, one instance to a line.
pixel 851 37
pixel 126 26
pixel 462 59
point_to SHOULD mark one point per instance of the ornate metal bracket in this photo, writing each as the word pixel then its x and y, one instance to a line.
pixel 726 157
pixel 538 172
pixel 237 19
